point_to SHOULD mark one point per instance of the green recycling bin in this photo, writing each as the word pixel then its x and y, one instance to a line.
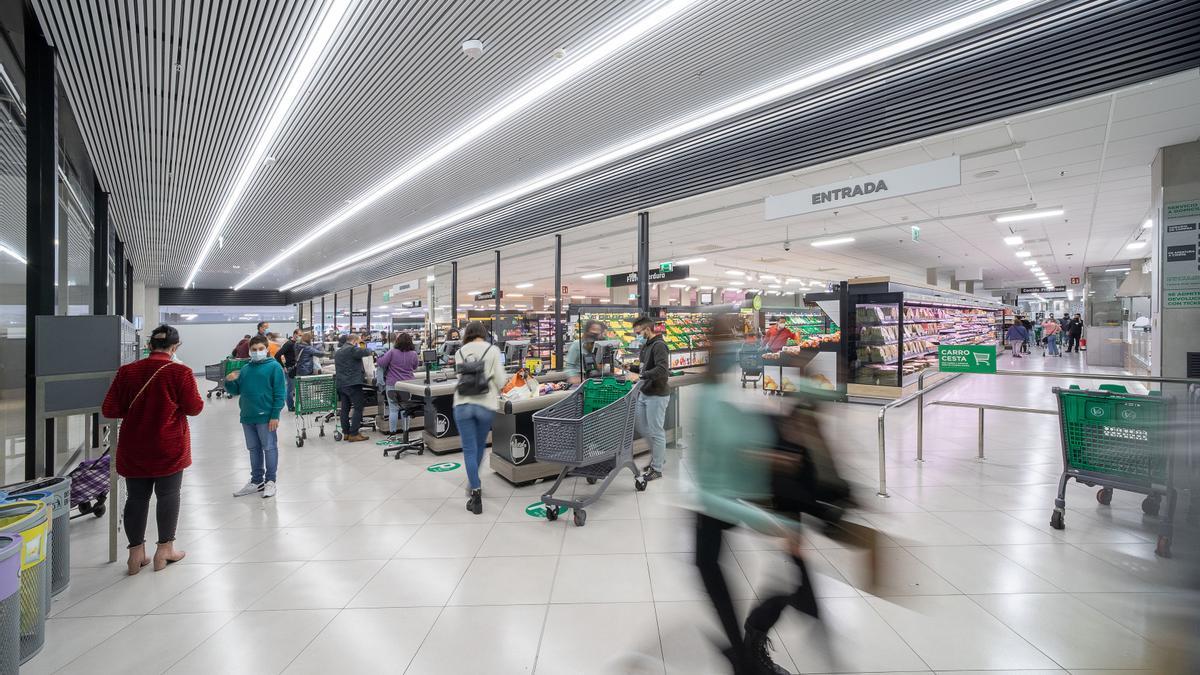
pixel 10 602
pixel 31 520
pixel 58 498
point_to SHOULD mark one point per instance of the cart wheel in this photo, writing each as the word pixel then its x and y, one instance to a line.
pixel 421 450
pixel 591 481
pixel 299 442
pixel 1151 505
pixel 1104 496
pixel 85 507
pixel 1056 520
pixel 1163 550
pixel 552 513
pixel 337 435
pixel 99 510
pixel 639 484
pixel 304 433
pixel 580 517
pixel 208 395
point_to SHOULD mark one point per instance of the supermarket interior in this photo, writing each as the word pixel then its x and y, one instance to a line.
pixel 754 338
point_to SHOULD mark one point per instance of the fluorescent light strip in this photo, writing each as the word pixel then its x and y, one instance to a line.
pixel 1014 240
pixel 334 12
pixel 691 261
pixel 832 242
pixel 1118 269
pixel 1135 245
pixel 804 79
pixel 1031 215
pixel 620 36
pixel 1024 254
pixel 8 251
pixel 593 275
pixel 524 285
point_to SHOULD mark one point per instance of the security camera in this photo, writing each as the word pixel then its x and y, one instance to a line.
pixel 473 48
pixel 787 245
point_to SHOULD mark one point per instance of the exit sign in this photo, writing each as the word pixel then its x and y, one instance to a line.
pixel 1074 281
pixel 666 268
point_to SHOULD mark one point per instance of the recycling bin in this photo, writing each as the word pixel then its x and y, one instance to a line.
pixel 57 496
pixel 10 602
pixel 31 520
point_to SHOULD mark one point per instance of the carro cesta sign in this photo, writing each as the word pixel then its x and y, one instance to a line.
pixel 967 358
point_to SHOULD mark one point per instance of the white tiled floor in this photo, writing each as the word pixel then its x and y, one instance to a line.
pixel 364 564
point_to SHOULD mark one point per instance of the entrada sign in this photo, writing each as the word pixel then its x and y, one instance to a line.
pixel 941 173
pixel 967 358
pixel 489 295
pixel 676 273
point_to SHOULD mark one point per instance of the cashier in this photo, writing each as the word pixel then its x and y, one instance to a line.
pixel 778 335
pixel 581 354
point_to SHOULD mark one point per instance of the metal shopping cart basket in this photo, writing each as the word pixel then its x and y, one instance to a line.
pixel 215 374
pixel 1117 440
pixel 316 396
pixel 750 358
pixel 590 433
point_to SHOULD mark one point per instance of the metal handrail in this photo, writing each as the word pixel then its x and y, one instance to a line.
pixel 919 395
pixel 987 406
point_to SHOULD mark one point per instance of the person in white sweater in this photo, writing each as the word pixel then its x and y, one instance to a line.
pixel 474 413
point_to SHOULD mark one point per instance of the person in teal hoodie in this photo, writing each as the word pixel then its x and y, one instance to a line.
pixel 263 388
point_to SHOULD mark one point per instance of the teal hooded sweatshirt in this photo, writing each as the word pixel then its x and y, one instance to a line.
pixel 263 388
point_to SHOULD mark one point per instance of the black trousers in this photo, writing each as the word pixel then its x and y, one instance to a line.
pixel 351 396
pixel 1073 343
pixel 137 507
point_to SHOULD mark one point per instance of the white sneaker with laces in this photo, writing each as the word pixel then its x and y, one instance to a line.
pixel 248 489
pixel 269 489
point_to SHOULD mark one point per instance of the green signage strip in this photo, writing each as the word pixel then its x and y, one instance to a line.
pixel 967 358
pixel 444 466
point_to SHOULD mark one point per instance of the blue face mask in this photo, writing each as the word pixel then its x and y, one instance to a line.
pixel 258 355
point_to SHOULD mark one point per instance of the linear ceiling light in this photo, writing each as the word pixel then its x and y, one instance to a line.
pixel 1024 254
pixel 691 261
pixel 1135 245
pixel 735 273
pixel 1029 215
pixel 1030 263
pixel 525 285
pixel 334 12
pixel 1117 269
pixel 804 79
pixel 1148 224
pixel 8 251
pixel 612 41
pixel 1014 240
pixel 832 242
pixel 592 275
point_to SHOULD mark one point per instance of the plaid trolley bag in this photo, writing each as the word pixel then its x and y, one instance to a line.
pixel 89 486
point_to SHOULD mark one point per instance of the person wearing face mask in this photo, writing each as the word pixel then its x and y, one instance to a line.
pixel 580 361
pixel 153 397
pixel 655 395
pixel 264 327
pixel 263 389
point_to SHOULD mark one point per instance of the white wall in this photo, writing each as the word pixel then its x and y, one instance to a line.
pixel 207 343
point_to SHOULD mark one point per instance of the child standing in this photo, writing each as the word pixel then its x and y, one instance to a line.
pixel 263 388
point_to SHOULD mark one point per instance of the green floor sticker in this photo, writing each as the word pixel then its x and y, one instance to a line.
pixel 387 442
pixel 536 510
pixel 444 466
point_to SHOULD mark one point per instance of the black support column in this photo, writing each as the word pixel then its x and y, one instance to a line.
pixel 497 287
pixel 453 295
pixel 335 328
pixel 321 337
pixel 100 251
pixel 351 330
pixel 128 291
pixel 558 300
pixel 119 278
pixel 643 258
pixel 41 220
pixel 369 329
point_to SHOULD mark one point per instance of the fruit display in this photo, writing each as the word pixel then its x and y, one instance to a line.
pixel 618 325
pixel 806 323
pixel 686 331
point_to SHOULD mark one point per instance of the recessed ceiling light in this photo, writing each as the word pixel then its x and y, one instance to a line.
pixel 1135 245
pixel 735 273
pixel 692 279
pixel 1014 240
pixel 680 286
pixel 591 275
pixel 1030 263
pixel 774 286
pixel 1023 254
pixel 474 292
pixel 691 261
pixel 1029 215
pixel 737 283
pixel 514 295
pixel 524 285
pixel 832 242
pixel 1118 269
pixel 794 281
pixel 1148 224
pixel 578 297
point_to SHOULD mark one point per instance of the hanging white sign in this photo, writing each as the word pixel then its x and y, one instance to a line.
pixel 940 173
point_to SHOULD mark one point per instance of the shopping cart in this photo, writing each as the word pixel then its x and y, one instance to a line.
pixel 215 374
pixel 590 433
pixel 1117 440
pixel 751 362
pixel 231 365
pixel 316 396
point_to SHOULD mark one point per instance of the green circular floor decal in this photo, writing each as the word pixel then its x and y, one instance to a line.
pixel 444 466
pixel 536 510
pixel 387 443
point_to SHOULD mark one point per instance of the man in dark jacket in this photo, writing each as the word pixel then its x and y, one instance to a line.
pixel 1074 333
pixel 651 415
pixel 286 356
pixel 351 378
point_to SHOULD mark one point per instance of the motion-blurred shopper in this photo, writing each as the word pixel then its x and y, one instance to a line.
pixel 307 356
pixel 652 403
pixel 153 397
pixel 242 349
pixel 263 388
pixel 476 401
pixel 351 378
pixel 580 360
pixel 1051 330
pixel 286 357
pixel 398 364
pixel 778 335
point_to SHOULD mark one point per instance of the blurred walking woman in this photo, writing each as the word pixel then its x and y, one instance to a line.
pixel 153 397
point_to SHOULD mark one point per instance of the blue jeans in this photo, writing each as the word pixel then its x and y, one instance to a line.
pixel 474 422
pixel 263 445
pixel 651 419
pixel 291 394
pixel 1052 344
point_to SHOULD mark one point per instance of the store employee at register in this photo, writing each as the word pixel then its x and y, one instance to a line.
pixel 778 335
pixel 581 354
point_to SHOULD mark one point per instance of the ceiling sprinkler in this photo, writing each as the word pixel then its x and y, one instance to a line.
pixel 473 48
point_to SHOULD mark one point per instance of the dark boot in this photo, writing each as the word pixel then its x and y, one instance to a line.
pixel 758 654
pixel 475 502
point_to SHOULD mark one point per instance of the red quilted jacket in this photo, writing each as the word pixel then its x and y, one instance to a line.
pixel 154 439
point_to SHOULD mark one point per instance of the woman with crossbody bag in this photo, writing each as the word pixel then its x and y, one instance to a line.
pixel 153 397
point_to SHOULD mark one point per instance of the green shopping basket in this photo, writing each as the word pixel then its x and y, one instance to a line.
pixel 601 392
pixel 1117 440
pixel 315 395
pixel 233 365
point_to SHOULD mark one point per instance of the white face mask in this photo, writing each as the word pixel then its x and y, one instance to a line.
pixel 257 355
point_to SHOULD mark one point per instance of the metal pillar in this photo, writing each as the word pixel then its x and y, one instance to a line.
pixel 643 258
pixel 128 291
pixel 312 320
pixel 453 295
pixel 41 214
pixel 335 316
pixel 100 251
pixel 322 335
pixel 119 278
pixel 497 316
pixel 558 300
pixel 369 329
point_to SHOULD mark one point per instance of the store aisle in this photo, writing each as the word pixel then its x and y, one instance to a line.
pixel 366 564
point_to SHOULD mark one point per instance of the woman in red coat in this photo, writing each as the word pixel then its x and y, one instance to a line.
pixel 154 397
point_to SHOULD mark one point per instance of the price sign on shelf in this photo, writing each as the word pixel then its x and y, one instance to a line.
pixel 967 358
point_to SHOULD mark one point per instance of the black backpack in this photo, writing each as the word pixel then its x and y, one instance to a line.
pixel 472 375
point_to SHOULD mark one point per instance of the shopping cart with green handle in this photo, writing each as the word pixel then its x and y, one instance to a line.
pixel 316 395
pixel 1118 440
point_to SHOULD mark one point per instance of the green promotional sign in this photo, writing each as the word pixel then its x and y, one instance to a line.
pixel 757 302
pixel 536 510
pixel 967 358
pixel 444 466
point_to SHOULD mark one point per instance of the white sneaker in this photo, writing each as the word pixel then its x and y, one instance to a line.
pixel 248 489
pixel 269 489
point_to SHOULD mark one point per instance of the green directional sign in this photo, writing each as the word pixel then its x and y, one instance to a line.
pixel 536 510
pixel 443 467
pixel 967 358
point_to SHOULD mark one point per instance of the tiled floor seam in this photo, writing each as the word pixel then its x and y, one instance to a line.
pixel 546 614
